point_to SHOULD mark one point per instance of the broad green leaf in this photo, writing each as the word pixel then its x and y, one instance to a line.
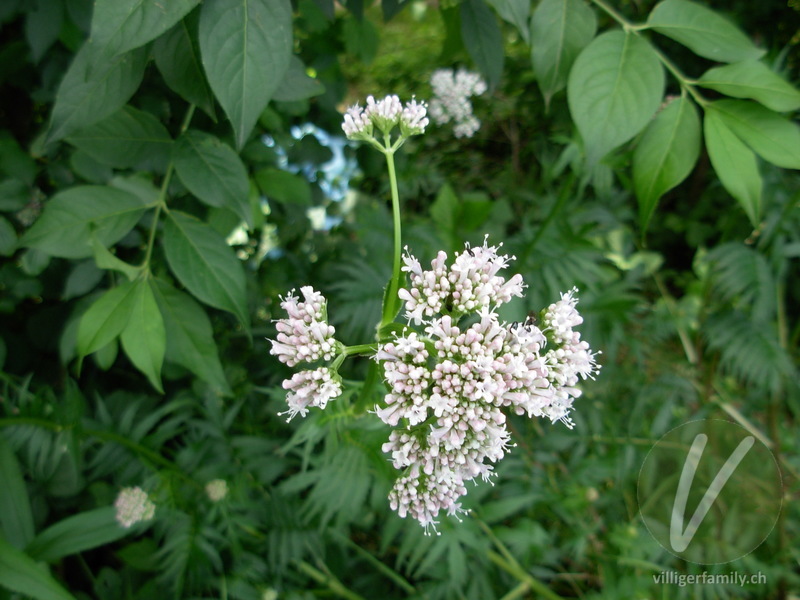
pixel 515 12
pixel 105 357
pixel 296 84
pixel 177 56
pixel 483 39
pixel 14 161
pixel 205 264
pixel 144 339
pixel 705 32
pixel 753 79
pixel 212 171
pixel 444 211
pixel 42 26
pixel 735 165
pixel 123 25
pixel 773 137
pixel 104 259
pixel 8 238
pixel 128 138
pixel 246 46
pixel 614 88
pixel 95 86
pixel 283 186
pixel 77 533
pixel 190 339
pixel 106 318
pixel 69 218
pixel 82 279
pixel 16 519
pixel 560 29
pixel 665 155
pixel 20 573
pixel 14 195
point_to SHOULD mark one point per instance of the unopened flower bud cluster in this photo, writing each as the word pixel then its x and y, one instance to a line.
pixel 451 99
pixel 449 386
pixel 133 505
pixel 306 337
pixel 383 116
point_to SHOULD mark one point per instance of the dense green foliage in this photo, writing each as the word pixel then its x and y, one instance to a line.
pixel 160 189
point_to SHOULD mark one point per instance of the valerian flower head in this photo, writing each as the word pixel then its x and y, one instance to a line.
pixel 451 99
pixel 133 506
pixel 217 490
pixel 311 388
pixel 449 386
pixel 305 336
pixel 384 115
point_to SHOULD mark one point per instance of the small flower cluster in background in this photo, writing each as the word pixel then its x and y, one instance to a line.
pixel 449 385
pixel 385 115
pixel 133 506
pixel 451 99
pixel 307 337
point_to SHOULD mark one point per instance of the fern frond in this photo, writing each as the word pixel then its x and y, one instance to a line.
pixel 749 351
pixel 742 276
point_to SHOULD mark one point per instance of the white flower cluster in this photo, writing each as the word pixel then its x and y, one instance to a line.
pixel 307 337
pixel 217 490
pixel 310 388
pixel 451 99
pixel 359 123
pixel 448 387
pixel 133 506
pixel 470 284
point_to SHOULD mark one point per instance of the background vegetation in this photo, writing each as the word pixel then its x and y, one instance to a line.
pixel 155 206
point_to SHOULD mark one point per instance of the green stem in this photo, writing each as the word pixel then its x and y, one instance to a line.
pixel 360 349
pixel 162 195
pixel 390 308
pixel 686 342
pixel 328 579
pixel 506 561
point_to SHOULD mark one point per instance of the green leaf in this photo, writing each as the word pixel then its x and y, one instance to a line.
pixel 8 238
pixel 515 12
pixel 144 338
pixel 123 25
pixel 42 26
pixel 106 318
pixel 177 56
pixel 128 138
pixel 14 161
pixel 483 39
pixel 296 84
pixel 560 29
pixel 283 186
pixel 20 573
pixel 773 137
pixel 246 46
pixel 702 30
pixel 95 86
pixel 16 519
pixel 753 79
pixel 190 339
pixel 735 165
pixel 104 259
pixel 205 264
pixel 444 211
pixel 82 279
pixel 70 218
pixel 213 172
pixel 14 195
pixel 77 533
pixel 614 88
pixel 665 155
